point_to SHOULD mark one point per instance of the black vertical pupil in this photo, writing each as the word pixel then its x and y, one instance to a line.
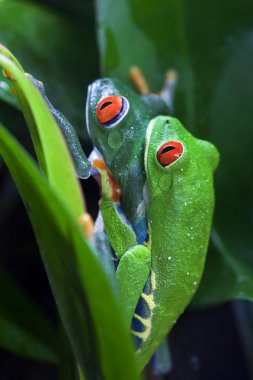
pixel 106 104
pixel 167 149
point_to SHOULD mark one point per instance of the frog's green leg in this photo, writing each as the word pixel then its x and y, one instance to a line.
pixel 118 229
pixel 81 162
pixel 132 274
pixel 119 232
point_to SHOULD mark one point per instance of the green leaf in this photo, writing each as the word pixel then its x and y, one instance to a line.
pixel 24 329
pixel 56 50
pixel 83 295
pixel 221 60
pixel 212 50
pixel 225 278
pixel 159 30
pixel 48 141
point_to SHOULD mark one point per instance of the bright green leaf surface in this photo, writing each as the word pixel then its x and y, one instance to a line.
pixel 210 45
pixel 24 329
pixel 83 295
pixel 49 144
pixel 55 49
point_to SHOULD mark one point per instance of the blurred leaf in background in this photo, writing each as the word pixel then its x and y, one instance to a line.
pixel 58 49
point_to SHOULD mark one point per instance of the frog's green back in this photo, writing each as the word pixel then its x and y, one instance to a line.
pixel 180 209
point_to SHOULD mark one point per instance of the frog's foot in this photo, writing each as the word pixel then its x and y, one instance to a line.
pixel 86 223
pixel 139 80
pixel 37 83
pixel 168 91
pixel 109 186
pixel 8 76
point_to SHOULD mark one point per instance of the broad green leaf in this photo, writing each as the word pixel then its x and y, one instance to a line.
pixel 210 45
pixel 221 59
pixel 150 36
pixel 48 141
pixel 24 329
pixel 225 278
pixel 55 49
pixel 83 295
pixel 76 9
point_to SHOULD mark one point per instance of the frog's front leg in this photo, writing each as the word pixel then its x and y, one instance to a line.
pixel 134 259
pixel 119 231
pixel 81 162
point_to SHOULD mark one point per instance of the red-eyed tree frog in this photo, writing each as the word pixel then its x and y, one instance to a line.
pixel 117 119
pixel 180 199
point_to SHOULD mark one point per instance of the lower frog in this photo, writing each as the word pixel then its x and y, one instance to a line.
pixel 164 273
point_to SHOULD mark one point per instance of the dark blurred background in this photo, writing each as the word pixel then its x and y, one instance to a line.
pixel 210 343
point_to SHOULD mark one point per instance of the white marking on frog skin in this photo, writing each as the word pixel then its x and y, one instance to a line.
pixel 195 283
pixel 188 274
pixel 147 140
pixel 169 258
pixel 149 299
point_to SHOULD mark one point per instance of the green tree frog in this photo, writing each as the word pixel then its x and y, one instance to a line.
pixel 180 199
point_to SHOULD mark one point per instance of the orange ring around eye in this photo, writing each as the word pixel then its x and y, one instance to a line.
pixel 169 152
pixel 108 108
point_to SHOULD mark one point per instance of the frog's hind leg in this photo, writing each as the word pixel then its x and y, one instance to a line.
pixel 132 274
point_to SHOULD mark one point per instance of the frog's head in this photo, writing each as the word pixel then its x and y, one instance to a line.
pixel 173 155
pixel 116 119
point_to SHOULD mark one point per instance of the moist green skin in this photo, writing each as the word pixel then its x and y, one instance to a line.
pixel 179 208
pixel 180 213
pixel 122 146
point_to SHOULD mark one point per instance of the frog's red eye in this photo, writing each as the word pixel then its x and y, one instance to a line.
pixel 111 110
pixel 169 152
